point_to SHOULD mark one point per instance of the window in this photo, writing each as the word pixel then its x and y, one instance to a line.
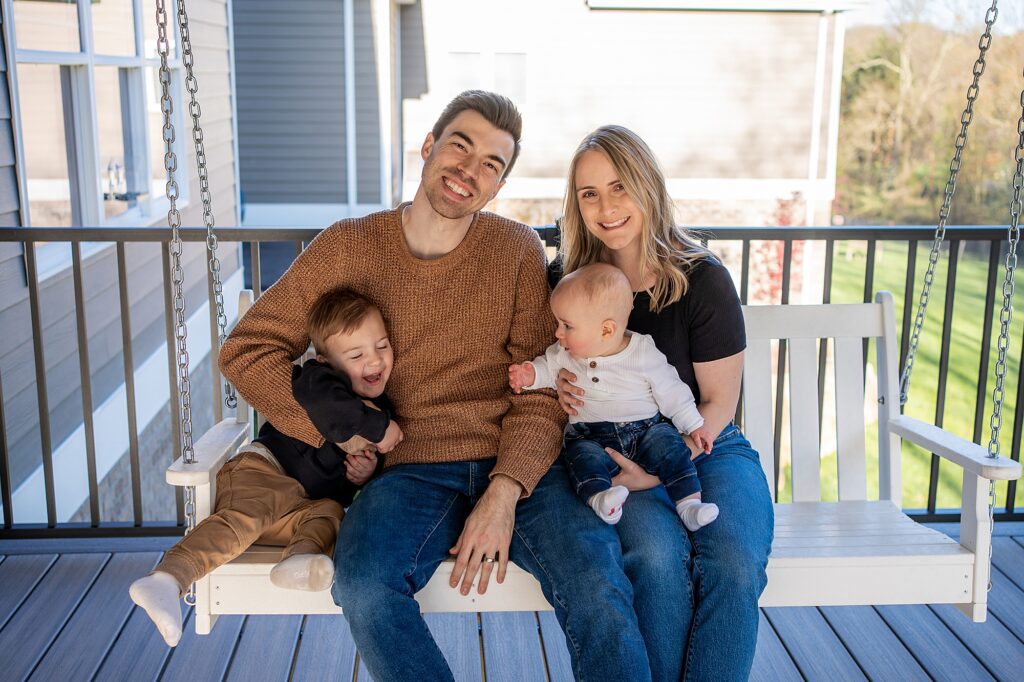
pixel 87 83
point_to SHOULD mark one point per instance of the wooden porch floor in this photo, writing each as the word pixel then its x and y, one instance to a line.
pixel 65 615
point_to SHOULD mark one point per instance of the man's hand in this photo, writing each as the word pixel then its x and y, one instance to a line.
pixel 392 437
pixel 568 392
pixel 701 438
pixel 359 466
pixel 487 534
pixel 632 475
pixel 520 376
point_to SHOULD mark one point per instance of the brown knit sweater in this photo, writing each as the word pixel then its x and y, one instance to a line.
pixel 455 322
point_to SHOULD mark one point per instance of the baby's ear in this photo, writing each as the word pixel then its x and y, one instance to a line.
pixel 609 327
pixel 321 359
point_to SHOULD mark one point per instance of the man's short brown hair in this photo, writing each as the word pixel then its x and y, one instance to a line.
pixel 337 311
pixel 499 111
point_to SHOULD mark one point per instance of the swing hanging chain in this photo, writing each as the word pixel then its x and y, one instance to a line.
pixel 177 273
pixel 192 85
pixel 984 43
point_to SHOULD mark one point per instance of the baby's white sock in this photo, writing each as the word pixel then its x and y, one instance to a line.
pixel 608 503
pixel 696 514
pixel 157 593
pixel 310 572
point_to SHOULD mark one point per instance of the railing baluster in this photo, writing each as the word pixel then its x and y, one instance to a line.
pixel 780 383
pixel 85 374
pixel 216 386
pixel 826 297
pixel 981 398
pixel 254 259
pixel 908 301
pixel 41 393
pixel 129 383
pixel 1018 426
pixel 5 465
pixel 745 271
pixel 869 288
pixel 172 375
pixel 940 393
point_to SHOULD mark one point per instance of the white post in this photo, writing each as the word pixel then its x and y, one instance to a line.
pixel 890 484
pixel 976 536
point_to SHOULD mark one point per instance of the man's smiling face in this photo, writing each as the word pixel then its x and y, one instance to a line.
pixel 463 169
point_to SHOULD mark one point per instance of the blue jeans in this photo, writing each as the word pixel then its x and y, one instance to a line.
pixel 400 528
pixel 702 626
pixel 653 443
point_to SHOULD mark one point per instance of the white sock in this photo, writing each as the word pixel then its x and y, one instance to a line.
pixel 310 572
pixel 608 503
pixel 696 514
pixel 157 593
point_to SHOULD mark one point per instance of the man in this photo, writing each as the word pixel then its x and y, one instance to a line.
pixel 465 294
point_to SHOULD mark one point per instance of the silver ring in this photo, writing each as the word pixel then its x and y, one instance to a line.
pixel 488 559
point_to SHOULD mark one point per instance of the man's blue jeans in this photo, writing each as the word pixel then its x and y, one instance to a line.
pixel 653 443
pixel 400 528
pixel 702 626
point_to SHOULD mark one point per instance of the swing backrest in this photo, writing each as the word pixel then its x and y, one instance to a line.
pixel 802 328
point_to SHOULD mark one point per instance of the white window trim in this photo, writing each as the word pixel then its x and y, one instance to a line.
pixel 87 190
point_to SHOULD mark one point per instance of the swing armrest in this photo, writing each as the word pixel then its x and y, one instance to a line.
pixel 212 450
pixel 964 453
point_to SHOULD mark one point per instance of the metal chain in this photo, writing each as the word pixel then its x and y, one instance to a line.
pixel 984 43
pixel 1005 315
pixel 177 273
pixel 192 85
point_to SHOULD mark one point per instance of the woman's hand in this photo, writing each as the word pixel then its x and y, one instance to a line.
pixel 632 475
pixel 568 392
pixel 359 466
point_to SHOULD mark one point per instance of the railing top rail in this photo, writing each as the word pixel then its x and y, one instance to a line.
pixel 294 234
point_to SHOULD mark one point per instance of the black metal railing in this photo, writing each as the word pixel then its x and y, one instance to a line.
pixel 267 251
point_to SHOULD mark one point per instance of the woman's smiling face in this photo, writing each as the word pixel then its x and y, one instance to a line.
pixel 608 211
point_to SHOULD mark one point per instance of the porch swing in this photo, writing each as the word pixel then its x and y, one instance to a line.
pixel 851 552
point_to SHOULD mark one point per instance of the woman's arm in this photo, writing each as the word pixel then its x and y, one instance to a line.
pixel 719 383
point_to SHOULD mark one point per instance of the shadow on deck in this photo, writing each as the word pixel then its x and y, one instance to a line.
pixel 65 615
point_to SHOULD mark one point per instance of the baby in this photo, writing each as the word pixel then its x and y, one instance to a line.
pixel 636 402
pixel 281 491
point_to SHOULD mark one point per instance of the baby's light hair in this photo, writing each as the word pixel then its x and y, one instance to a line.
pixel 337 311
pixel 603 285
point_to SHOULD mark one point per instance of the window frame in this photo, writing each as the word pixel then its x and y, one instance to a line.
pixel 81 117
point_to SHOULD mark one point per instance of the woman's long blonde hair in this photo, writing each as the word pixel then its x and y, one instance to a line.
pixel 667 249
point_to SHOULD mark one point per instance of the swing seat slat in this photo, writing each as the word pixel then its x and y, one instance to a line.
pixel 854 551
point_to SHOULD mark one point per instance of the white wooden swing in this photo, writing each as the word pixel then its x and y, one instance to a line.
pixel 852 552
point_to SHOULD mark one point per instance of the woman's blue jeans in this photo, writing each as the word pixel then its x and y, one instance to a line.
pixel 400 528
pixel 703 625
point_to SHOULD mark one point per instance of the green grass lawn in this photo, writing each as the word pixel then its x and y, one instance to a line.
pixel 958 414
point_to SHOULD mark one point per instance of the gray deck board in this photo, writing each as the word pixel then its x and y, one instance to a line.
pixel 555 649
pixel 83 643
pixel 772 663
pixel 64 614
pixel 19 575
pixel 937 649
pixel 29 633
pixel 872 643
pixel 816 650
pixel 265 649
pixel 998 649
pixel 326 650
pixel 512 647
pixel 139 652
pixel 458 637
pixel 204 657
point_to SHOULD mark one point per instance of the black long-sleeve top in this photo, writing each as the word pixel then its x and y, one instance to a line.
pixel 339 414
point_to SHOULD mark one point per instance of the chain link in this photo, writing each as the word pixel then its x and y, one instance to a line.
pixel 984 43
pixel 192 85
pixel 177 273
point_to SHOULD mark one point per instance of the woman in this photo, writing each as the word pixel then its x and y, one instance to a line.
pixel 617 210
